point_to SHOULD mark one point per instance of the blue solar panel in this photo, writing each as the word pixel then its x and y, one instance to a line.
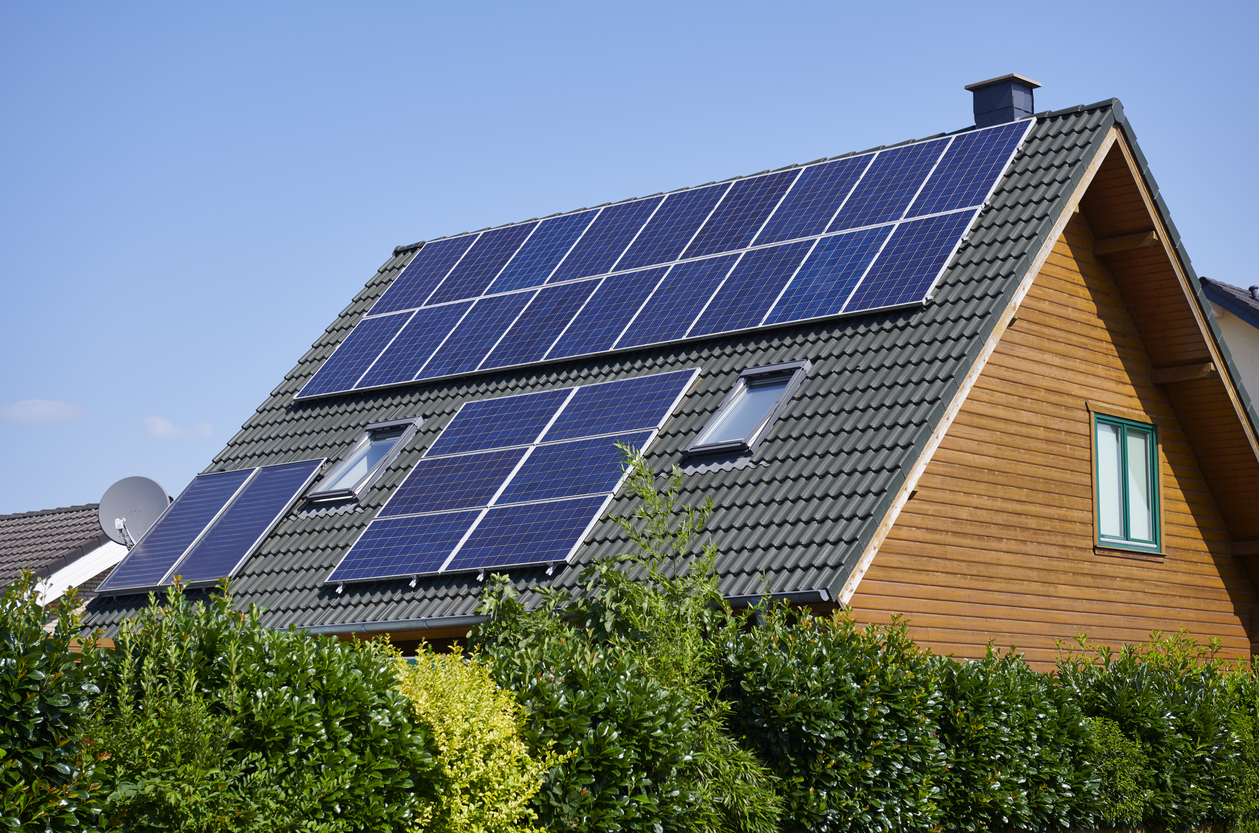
pixel 481 264
pixel 741 214
pixel 422 274
pixel 615 407
pixel 536 328
pixel 407 353
pixel 910 262
pixel 968 169
pixel 498 423
pixel 580 467
pixel 887 188
pixel 548 244
pixel 751 289
pixel 677 301
pixel 149 560
pixel 828 276
pixel 604 317
pixel 394 547
pixel 605 240
pixel 439 484
pixel 469 342
pixel 672 227
pixel 252 514
pixel 812 202
pixel 361 347
pixel 531 533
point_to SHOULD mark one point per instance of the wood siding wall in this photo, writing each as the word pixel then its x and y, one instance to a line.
pixel 997 542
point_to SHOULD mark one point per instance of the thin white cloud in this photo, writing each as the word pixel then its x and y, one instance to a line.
pixel 156 426
pixel 41 411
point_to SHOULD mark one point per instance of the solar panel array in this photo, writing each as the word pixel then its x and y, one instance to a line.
pixel 513 481
pixel 214 524
pixel 850 235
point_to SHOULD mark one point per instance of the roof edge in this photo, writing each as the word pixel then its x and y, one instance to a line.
pixel 1217 294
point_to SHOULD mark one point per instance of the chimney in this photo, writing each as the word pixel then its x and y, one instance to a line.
pixel 1003 99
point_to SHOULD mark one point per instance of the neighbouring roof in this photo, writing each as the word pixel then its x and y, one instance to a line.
pixel 1240 302
pixel 793 521
pixel 47 540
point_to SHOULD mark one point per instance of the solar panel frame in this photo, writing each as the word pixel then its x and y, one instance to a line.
pixel 113 584
pixel 306 470
pixel 541 442
pixel 562 347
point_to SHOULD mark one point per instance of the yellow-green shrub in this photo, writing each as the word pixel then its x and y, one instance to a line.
pixel 486 777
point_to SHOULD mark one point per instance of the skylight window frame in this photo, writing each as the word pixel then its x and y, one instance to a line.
pixel 409 428
pixel 793 372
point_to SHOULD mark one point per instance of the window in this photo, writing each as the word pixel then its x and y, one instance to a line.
pixel 377 446
pixel 750 409
pixel 1126 462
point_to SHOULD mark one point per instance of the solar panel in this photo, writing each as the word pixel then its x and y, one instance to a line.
pixel 422 275
pixel 751 288
pixel 672 226
pixel 481 264
pixel 697 235
pixel 152 557
pixel 546 247
pixel 741 214
pixel 910 261
pixel 613 407
pixel 531 533
pixel 440 484
pixel 828 276
pixel 675 304
pixel 469 342
pixel 577 467
pixel 514 480
pixel 252 514
pixel 500 423
pixel 606 238
pixel 407 546
pixel 536 328
pixel 600 323
pixel 813 200
pixel 343 368
pixel 413 345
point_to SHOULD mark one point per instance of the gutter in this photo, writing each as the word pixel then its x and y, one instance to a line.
pixel 431 623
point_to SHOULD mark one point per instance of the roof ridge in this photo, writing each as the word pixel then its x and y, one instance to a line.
pixel 61 510
pixel 397 250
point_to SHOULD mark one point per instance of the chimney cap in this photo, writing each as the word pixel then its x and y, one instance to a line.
pixel 1009 76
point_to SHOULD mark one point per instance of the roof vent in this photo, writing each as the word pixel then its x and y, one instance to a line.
pixel 1002 99
pixel 1254 292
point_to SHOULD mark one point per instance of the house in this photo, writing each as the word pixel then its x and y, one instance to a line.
pixel 971 379
pixel 63 547
pixel 1236 313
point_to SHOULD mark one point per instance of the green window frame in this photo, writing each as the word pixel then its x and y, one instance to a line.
pixel 1126 484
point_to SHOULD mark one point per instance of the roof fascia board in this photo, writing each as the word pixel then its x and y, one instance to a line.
pixel 1190 285
pixel 1222 298
pixel 1056 224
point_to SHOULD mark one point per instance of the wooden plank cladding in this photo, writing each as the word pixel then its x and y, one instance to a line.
pixel 998 540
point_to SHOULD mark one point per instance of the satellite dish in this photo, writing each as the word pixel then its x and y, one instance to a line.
pixel 129 507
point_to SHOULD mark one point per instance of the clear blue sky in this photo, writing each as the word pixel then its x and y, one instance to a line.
pixel 190 193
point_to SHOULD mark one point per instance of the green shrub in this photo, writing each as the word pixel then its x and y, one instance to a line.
pixel 486 778
pixel 45 694
pixel 845 716
pixel 622 678
pixel 210 721
pixel 1121 768
pixel 1175 700
pixel 1018 749
pixel 1244 812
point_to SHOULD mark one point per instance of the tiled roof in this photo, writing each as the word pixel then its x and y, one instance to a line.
pixel 47 540
pixel 796 520
pixel 1240 302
